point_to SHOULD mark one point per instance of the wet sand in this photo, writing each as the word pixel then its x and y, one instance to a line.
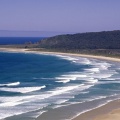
pixel 110 111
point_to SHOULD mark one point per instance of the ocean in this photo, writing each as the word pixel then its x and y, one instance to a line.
pixel 19 40
pixel 54 86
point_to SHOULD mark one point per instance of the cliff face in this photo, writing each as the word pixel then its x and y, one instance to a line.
pixel 94 40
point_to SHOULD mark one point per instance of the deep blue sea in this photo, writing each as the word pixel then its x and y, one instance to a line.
pixel 49 85
pixel 18 40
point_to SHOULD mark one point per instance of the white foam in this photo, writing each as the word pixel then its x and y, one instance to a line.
pixel 10 84
pixel 104 67
pixel 79 60
pixel 61 101
pixel 85 92
pixel 61 90
pixel 63 81
pixel 13 101
pixel 10 108
pixel 58 106
pixel 92 80
pixel 75 75
pixel 22 89
pixel 36 114
pixel 67 58
pixel 97 98
pixel 66 78
pixel 85 61
pixel 11 111
pixel 93 70
pixel 101 75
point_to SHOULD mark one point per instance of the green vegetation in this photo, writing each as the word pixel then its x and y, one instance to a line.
pixel 95 43
pixel 95 40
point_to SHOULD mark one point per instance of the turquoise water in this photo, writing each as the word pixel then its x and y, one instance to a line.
pixel 34 84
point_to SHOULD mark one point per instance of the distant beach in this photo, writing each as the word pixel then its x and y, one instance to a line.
pixel 109 111
pixel 60 53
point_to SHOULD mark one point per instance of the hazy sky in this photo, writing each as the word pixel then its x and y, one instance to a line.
pixel 60 15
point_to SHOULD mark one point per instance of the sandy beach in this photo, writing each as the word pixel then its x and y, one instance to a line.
pixel 109 111
pixel 115 114
pixel 60 53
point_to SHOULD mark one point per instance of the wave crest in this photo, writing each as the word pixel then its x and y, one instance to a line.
pixel 22 89
pixel 10 84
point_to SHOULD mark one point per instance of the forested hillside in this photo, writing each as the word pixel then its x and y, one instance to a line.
pixel 93 40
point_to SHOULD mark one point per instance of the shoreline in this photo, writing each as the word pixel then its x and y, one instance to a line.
pixel 109 111
pixel 113 59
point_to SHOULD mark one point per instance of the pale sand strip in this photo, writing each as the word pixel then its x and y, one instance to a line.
pixel 109 111
pixel 60 53
pixel 114 115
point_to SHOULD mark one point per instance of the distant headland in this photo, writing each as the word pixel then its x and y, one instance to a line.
pixel 106 43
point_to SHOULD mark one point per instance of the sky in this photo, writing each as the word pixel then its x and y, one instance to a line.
pixel 72 16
